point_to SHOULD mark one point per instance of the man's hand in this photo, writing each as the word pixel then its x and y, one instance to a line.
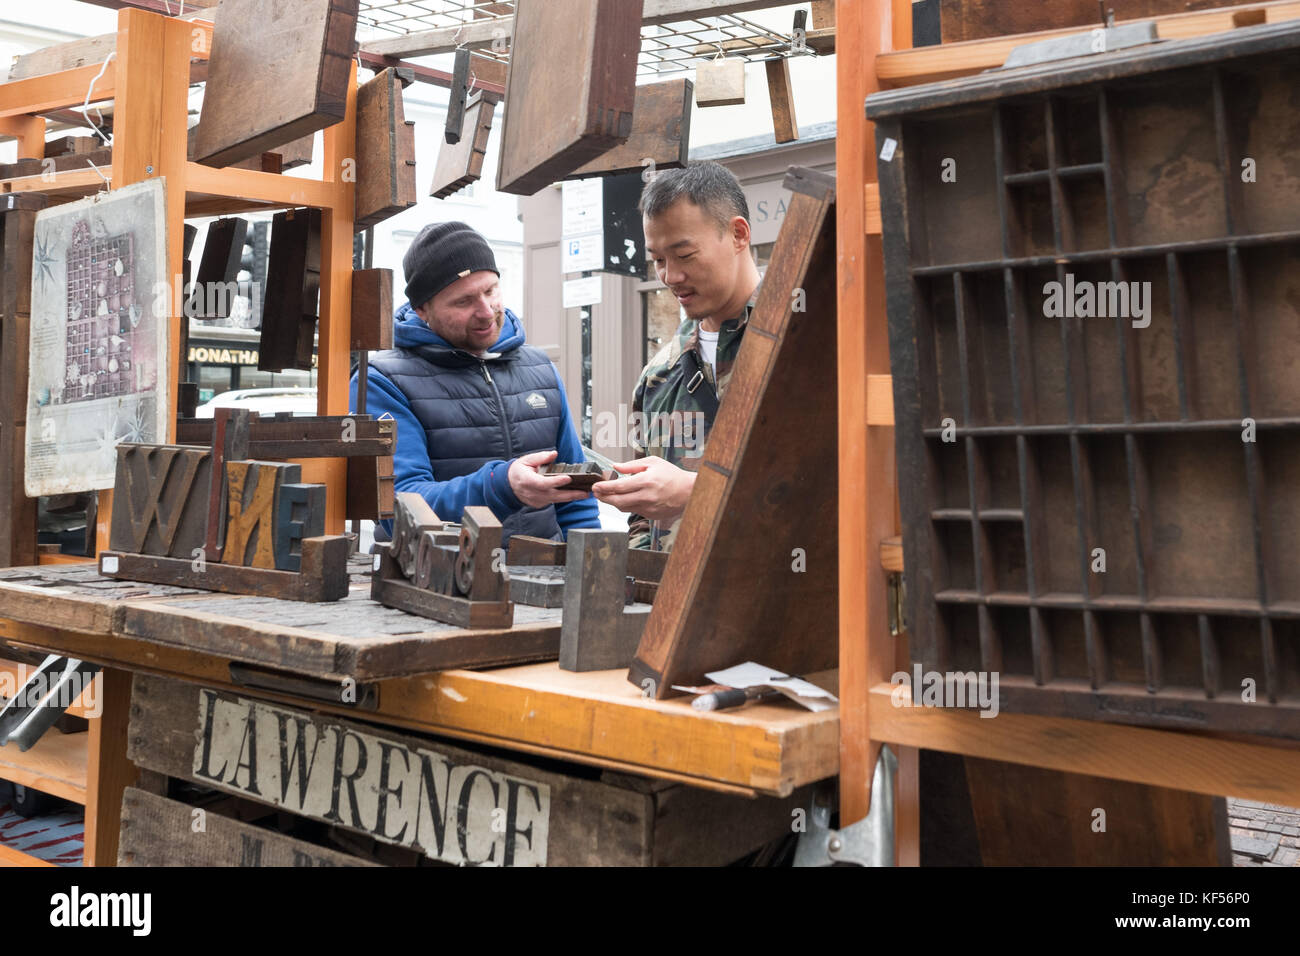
pixel 537 490
pixel 651 487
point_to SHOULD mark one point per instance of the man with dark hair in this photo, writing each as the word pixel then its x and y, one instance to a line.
pixel 697 234
pixel 477 410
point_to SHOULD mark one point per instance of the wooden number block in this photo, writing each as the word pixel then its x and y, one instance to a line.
pixel 160 499
pixel 372 310
pixel 385 152
pixel 292 291
pixel 661 132
pixel 214 292
pixel 412 516
pixel 435 564
pixel 570 90
pixel 481 559
pixel 278 70
pixel 782 99
pixel 462 163
pixel 720 82
pixel 299 514
pixel 251 497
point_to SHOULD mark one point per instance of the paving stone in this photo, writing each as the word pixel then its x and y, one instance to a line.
pixel 1286 857
pixel 1274 828
pixel 1291 831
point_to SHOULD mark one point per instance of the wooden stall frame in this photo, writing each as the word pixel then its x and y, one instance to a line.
pixel 1208 763
pixel 148 80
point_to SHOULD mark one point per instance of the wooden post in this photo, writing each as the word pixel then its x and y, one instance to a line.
pixel 867 506
pixel 108 771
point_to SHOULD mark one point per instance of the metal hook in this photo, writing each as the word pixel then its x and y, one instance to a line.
pixel 85 104
pixel 473 79
pixel 459 31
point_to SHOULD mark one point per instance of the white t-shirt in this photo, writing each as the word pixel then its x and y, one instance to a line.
pixel 709 350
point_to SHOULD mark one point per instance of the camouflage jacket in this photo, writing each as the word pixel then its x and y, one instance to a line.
pixel 672 423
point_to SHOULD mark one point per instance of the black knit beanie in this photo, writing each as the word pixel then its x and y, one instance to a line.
pixel 442 253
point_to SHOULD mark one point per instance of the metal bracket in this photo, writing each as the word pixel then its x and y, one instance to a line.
pixel 36 707
pixel 361 695
pixel 870 841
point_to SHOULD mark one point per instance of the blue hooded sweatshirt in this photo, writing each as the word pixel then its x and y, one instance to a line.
pixel 454 410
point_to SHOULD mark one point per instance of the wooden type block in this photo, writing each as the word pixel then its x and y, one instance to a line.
pixel 462 163
pixel 277 71
pixel 536 585
pixel 581 477
pixel 297 153
pixel 370 488
pixel 157 831
pixel 388 587
pixel 385 152
pixel 75 145
pixel 187 399
pixel 214 292
pixel 661 132
pixel 528 550
pixel 571 88
pixel 324 574
pixel 299 514
pixel 411 517
pixel 160 499
pixel 435 565
pixel 478 566
pixel 229 442
pixel 456 97
pixel 594 635
pixel 781 95
pixel 372 310
pixel 730 592
pixel 720 82
pixel 292 291
pixel 252 496
pixel 285 435
pixel 17 511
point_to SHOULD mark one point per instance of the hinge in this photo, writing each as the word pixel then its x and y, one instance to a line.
pixel 897 601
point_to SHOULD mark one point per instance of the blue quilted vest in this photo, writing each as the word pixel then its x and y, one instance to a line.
pixel 476 410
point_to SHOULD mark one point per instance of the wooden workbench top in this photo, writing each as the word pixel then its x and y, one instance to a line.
pixel 597 718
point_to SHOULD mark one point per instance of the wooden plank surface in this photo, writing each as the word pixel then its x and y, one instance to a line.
pixel 385 152
pixel 56 765
pixel 559 119
pixel 277 71
pixel 10 857
pixel 661 132
pixel 161 832
pixel 979 19
pixel 740 581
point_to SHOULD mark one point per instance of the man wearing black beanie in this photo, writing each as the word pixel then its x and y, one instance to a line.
pixel 477 410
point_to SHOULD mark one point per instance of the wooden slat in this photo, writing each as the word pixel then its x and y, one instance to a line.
pixel 10 857
pixel 560 119
pixel 880 399
pixel 1254 770
pixel 950 60
pixel 979 19
pixel 781 95
pixel 273 81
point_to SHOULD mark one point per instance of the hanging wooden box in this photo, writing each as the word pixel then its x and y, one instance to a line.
pixel 1033 446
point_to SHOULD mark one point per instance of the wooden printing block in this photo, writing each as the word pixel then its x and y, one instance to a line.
pixel 536 585
pixel 571 87
pixel 218 270
pixel 160 499
pixel 596 633
pixel 479 565
pixel 528 550
pixel 278 70
pixel 388 587
pixel 582 476
pixel 435 565
pixel 299 514
pixel 720 82
pixel 372 310
pixel 456 97
pixel 292 291
pixel 461 163
pixel 385 152
pixel 230 433
pixel 252 492
pixel 661 132
pixel 370 488
pixel 781 96
pixel 412 516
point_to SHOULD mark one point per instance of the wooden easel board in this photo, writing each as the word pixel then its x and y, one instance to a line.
pixel 752 575
pixel 278 71
pixel 571 88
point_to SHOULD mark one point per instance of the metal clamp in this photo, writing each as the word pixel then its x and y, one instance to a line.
pixel 870 841
pixel 695 381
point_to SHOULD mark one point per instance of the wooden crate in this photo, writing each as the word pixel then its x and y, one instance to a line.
pixel 370 793
pixel 1165 442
